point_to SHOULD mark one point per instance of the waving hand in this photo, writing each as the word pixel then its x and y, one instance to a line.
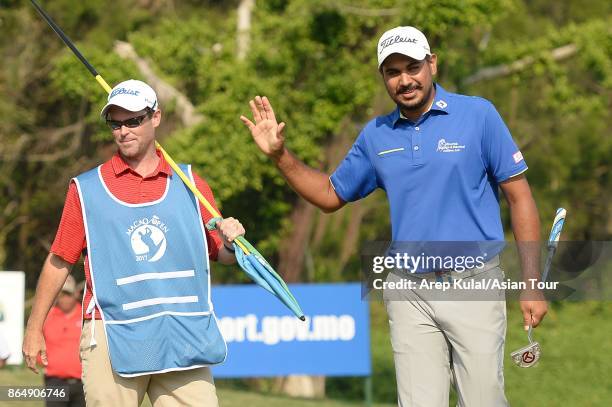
pixel 266 131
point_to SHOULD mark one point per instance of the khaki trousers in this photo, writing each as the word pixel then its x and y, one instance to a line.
pixel 436 341
pixel 103 387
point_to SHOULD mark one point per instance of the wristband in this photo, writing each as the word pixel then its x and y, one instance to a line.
pixel 231 249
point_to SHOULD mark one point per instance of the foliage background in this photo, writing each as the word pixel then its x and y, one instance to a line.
pixel 316 61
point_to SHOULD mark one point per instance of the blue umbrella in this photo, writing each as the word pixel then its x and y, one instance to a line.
pixel 261 272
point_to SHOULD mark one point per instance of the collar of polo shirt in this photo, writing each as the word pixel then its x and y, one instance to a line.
pixel 439 103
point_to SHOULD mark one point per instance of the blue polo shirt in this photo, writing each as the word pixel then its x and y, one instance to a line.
pixel 441 174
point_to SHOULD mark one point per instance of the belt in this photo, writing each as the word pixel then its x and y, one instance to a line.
pixel 450 275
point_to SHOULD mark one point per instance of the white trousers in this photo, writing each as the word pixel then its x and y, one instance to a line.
pixel 438 341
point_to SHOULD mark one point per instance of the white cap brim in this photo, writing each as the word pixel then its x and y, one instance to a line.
pixel 417 52
pixel 127 102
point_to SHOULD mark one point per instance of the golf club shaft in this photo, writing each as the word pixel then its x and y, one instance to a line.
pixel 107 88
pixel 553 240
pixel 549 257
pixel 64 37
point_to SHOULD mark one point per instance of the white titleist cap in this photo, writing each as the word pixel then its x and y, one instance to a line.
pixel 69 285
pixel 403 40
pixel 131 95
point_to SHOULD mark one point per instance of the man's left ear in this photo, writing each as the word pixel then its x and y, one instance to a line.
pixel 433 63
pixel 156 118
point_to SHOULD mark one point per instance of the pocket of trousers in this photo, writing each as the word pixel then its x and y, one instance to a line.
pixel 85 337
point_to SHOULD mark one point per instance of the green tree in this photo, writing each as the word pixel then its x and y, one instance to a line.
pixel 546 65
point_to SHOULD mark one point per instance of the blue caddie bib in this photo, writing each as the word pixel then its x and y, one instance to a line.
pixel 151 278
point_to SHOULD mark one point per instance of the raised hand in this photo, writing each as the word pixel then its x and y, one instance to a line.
pixel 267 133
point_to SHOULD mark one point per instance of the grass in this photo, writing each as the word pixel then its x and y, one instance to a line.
pixel 573 371
pixel 576 361
pixel 17 376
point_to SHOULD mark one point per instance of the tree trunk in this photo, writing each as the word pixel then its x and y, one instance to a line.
pixel 301 386
pixel 492 72
pixel 291 254
pixel 243 35
pixel 186 111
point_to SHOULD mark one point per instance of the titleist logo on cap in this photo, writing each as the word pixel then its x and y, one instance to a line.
pixel 122 91
pixel 394 40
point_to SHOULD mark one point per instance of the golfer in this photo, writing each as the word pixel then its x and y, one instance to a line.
pixel 440 157
pixel 149 324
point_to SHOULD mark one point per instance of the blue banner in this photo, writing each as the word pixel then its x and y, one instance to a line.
pixel 265 339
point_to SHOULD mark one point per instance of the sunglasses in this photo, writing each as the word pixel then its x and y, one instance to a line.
pixel 129 123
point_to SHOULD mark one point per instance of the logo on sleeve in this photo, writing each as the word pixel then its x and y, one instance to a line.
pixel 148 238
pixel 449 147
pixel 518 157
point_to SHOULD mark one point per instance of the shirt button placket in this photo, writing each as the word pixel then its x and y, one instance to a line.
pixel 141 189
pixel 416 146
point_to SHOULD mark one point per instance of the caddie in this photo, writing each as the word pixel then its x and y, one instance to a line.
pixel 149 323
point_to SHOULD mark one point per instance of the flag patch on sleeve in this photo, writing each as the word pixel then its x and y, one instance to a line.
pixel 518 157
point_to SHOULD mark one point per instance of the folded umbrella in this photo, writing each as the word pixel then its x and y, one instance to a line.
pixel 261 272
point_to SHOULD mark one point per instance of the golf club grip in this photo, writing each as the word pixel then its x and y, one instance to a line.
pixel 557 226
pixel 553 240
pixel 64 38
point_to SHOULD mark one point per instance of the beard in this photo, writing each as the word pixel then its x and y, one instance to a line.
pixel 415 102
pixel 129 150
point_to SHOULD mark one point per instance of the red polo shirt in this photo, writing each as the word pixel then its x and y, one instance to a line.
pixel 62 332
pixel 130 187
